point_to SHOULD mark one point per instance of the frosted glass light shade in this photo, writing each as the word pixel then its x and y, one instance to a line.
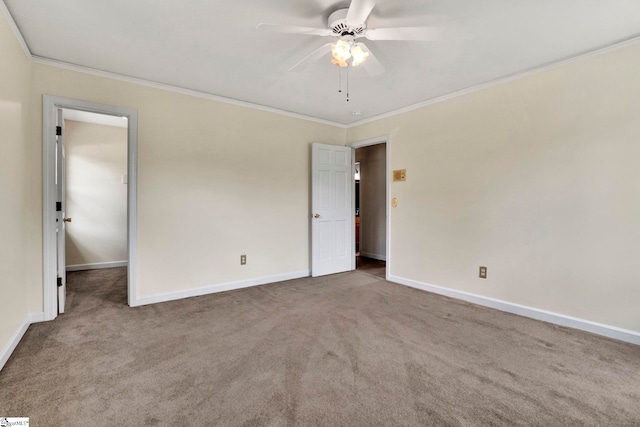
pixel 340 50
pixel 359 56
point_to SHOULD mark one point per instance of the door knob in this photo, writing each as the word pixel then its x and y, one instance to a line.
pixel 67 220
pixel 316 216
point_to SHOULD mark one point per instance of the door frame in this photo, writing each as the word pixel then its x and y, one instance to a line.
pixel 61 194
pixel 50 106
pixel 386 139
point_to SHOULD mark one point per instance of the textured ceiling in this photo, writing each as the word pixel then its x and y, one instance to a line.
pixel 212 46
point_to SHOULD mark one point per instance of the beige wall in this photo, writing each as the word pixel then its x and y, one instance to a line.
pixel 14 181
pixel 537 179
pixel 373 208
pixel 96 161
pixel 215 181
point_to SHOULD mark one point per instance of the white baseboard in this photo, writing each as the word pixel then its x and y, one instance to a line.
pixel 533 313
pixel 36 318
pixel 373 256
pixel 16 337
pixel 96 265
pixel 222 287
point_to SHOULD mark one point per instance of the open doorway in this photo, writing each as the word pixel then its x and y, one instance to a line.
pixel 96 190
pixel 371 206
pixel 89 172
pixel 96 193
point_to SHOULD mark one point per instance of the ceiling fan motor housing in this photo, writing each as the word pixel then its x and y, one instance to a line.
pixel 338 24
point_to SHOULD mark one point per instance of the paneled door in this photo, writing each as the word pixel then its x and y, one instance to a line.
pixel 331 216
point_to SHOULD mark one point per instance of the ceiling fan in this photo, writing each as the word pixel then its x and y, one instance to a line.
pixel 348 25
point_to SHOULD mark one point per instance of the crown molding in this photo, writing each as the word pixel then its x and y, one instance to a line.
pixel 516 76
pixel 15 29
pixel 199 94
pixel 180 90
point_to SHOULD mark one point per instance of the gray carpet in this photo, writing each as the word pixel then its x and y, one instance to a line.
pixel 348 349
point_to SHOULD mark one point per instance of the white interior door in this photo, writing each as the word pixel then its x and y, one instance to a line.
pixel 61 219
pixel 332 216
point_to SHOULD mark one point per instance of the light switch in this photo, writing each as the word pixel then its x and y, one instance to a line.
pixel 124 178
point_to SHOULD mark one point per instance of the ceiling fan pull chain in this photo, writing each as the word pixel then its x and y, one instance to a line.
pixel 339 80
pixel 348 84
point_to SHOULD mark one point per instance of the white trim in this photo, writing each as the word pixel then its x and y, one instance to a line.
pixel 15 339
pixel 49 196
pixel 373 256
pixel 36 318
pixel 516 76
pixel 49 106
pixel 385 139
pixel 87 70
pixel 96 265
pixel 16 30
pixel 222 287
pixel 13 342
pixel 609 331
pixel 180 90
pixel 545 67
pixel 632 41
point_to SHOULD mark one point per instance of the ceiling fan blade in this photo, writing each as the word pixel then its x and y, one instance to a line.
pixel 404 33
pixel 291 29
pixel 371 65
pixel 359 11
pixel 314 56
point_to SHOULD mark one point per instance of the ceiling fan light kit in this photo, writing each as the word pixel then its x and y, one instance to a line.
pixel 346 48
pixel 359 55
pixel 348 25
pixel 341 51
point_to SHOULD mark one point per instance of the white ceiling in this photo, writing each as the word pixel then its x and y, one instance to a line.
pixel 95 118
pixel 211 46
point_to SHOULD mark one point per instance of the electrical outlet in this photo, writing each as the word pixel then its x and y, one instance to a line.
pixel 483 272
pixel 243 259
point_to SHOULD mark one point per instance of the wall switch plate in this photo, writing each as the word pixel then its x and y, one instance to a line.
pixel 243 259
pixel 483 272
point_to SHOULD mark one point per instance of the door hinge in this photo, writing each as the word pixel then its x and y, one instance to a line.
pixel 58 130
pixel 59 281
pixel 58 206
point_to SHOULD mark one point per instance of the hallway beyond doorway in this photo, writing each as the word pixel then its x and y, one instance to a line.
pixel 371 266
